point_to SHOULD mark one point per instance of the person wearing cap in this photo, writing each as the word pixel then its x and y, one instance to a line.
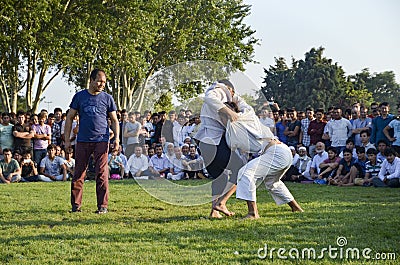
pixel 302 166
pixel 219 159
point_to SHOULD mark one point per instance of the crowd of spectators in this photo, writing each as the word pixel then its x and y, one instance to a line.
pixel 357 147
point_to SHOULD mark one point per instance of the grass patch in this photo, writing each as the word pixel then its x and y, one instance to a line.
pixel 36 227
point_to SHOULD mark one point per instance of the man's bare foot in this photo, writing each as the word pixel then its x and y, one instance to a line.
pixel 222 208
pixel 215 214
pixel 251 216
pixel 295 206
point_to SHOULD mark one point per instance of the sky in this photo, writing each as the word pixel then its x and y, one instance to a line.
pixel 356 34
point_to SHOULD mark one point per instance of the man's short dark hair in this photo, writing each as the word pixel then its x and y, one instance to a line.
pixel 57 110
pixel 5 114
pixel 347 150
pixel 51 146
pixel 6 150
pixel 372 151
pixel 360 150
pixel 350 141
pixel 20 113
pixel 382 141
pixel 331 148
pixel 309 109
pixel 384 104
pixel 320 110
pixel 389 151
pixel 95 72
pixel 366 131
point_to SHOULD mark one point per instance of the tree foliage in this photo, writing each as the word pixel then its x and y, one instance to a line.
pixel 129 39
pixel 319 82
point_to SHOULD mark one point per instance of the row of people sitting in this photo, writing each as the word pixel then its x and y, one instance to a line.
pixel 352 167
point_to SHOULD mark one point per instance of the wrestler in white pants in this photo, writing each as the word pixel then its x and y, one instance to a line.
pixel 270 166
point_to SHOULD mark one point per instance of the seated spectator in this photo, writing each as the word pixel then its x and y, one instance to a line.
pixel 382 145
pixel 159 164
pixel 320 156
pixel 350 145
pixel 185 150
pixel 346 171
pixel 389 175
pixel 361 167
pixel 52 167
pixel 176 168
pixel 69 163
pixel 364 138
pixel 29 171
pixel 170 154
pixel 328 167
pixel 138 164
pixel 115 165
pixel 294 154
pixel 10 170
pixel 302 166
pixel 150 152
pixel 193 164
pixel 60 152
pixel 372 167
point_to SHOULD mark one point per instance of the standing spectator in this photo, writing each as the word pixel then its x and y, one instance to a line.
pixel 395 125
pixel 168 127
pixel 9 168
pixel 181 131
pixel 305 123
pixel 379 123
pixel 131 134
pixel 359 125
pixel 41 136
pixel 6 133
pixel 52 167
pixel 292 131
pixel 266 120
pixel 154 121
pixel 23 134
pixel 195 125
pixel 124 120
pixel 159 126
pixel 339 130
pixel 316 130
pixel 281 126
pixel 58 119
pixel 55 129
pixel 93 106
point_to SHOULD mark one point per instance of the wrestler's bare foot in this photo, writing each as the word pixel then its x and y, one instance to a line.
pixel 295 206
pixel 222 208
pixel 215 214
pixel 251 216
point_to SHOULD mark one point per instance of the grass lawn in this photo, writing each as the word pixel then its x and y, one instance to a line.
pixel 36 227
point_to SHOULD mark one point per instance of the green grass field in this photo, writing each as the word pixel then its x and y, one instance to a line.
pixel 36 227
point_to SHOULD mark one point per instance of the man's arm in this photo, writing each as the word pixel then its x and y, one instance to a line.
pixel 68 126
pixel 386 133
pixel 115 127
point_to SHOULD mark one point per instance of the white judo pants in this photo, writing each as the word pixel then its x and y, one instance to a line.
pixel 270 167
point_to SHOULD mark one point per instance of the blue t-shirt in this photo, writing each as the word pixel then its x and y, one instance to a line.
pixel 93 112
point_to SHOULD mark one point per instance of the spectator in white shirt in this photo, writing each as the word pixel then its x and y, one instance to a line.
pixel 266 120
pixel 176 167
pixel 340 130
pixel 389 175
pixel 138 164
pixel 320 156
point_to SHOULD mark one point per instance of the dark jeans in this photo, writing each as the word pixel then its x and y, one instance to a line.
pixel 82 153
pixel 218 158
pixel 393 183
pixel 38 155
